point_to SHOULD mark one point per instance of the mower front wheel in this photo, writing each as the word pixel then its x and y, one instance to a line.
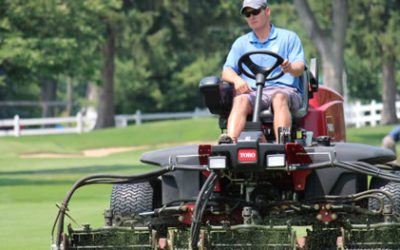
pixel 132 199
pixel 391 187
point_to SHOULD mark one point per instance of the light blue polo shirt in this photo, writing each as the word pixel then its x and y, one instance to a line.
pixel 284 42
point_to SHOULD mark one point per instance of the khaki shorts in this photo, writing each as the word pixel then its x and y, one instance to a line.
pixel 294 97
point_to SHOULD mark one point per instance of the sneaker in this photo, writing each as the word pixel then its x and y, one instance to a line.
pixel 225 139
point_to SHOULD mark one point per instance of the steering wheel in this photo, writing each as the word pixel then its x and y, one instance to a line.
pixel 257 69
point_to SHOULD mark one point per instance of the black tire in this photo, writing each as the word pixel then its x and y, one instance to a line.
pixel 391 187
pixel 131 199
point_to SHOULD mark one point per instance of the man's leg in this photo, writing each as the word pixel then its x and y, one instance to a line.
pixel 282 115
pixel 237 118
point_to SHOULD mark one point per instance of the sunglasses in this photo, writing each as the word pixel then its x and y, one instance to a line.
pixel 253 12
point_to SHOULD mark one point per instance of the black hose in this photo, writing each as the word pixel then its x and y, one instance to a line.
pixel 98 179
pixel 358 166
pixel 199 208
pixel 365 168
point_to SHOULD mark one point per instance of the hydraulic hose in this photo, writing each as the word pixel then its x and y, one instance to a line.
pixel 199 208
pixel 365 168
pixel 98 179
pixel 357 166
pixel 109 179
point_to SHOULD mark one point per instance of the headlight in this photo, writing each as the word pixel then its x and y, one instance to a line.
pixel 217 162
pixel 277 160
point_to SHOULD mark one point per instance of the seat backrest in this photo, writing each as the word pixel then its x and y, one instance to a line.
pixel 302 111
pixel 218 95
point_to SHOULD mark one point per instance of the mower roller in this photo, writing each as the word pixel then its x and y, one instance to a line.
pixel 255 193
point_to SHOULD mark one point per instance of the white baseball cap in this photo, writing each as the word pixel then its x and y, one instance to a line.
pixel 254 4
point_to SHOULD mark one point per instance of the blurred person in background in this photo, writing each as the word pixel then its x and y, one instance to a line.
pixel 390 140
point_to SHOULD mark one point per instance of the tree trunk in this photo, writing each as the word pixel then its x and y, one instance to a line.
pixel 48 93
pixel 105 111
pixel 331 48
pixel 70 97
pixel 389 90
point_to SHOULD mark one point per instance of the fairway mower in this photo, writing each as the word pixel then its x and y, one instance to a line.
pixel 306 189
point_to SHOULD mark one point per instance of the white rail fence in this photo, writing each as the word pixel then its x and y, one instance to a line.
pixel 82 123
pixel 356 115
pixel 361 115
pixel 138 117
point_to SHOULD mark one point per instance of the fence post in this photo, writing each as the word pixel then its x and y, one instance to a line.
pixel 138 117
pixel 124 122
pixel 79 123
pixel 196 113
pixel 17 129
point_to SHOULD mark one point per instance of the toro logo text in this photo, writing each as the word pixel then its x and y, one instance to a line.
pixel 247 155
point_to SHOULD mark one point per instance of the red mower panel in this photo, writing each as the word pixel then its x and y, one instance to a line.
pixel 325 115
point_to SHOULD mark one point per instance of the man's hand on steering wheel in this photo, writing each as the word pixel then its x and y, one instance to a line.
pixel 295 68
pixel 286 66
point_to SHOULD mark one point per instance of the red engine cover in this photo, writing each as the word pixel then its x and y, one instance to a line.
pixel 326 115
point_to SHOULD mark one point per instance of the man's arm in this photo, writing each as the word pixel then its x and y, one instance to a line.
pixel 295 68
pixel 239 84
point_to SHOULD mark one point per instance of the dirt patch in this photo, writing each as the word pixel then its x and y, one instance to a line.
pixel 98 152
pixel 101 152
pixel 49 155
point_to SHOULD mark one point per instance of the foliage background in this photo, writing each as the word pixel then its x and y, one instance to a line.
pixel 162 49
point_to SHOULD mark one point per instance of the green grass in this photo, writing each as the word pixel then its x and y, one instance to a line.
pixel 30 188
pixel 368 135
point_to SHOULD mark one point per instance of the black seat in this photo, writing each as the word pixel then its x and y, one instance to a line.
pixel 218 95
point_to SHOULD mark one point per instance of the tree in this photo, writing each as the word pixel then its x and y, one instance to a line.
pixel 32 47
pixel 103 19
pixel 327 36
pixel 375 24
pixel 43 41
pixel 151 55
pixel 169 46
pixel 362 77
pixel 105 114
